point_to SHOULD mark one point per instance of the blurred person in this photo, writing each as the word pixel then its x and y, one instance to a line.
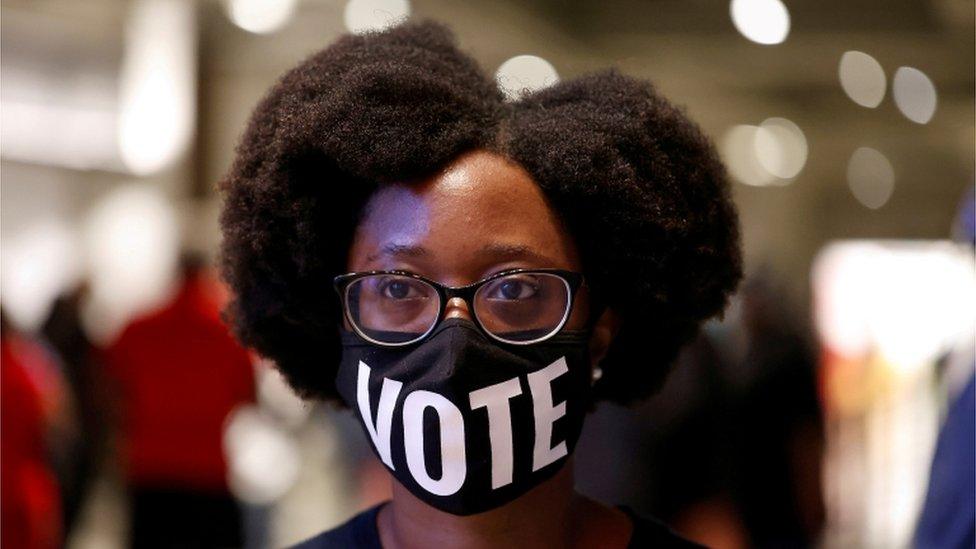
pixel 729 450
pixel 776 437
pixel 948 517
pixel 177 373
pixel 671 453
pixel 84 450
pixel 32 401
pixel 497 267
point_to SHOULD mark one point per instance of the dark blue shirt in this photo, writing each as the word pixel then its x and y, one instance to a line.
pixel 361 532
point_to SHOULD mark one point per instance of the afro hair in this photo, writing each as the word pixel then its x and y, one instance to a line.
pixel 639 187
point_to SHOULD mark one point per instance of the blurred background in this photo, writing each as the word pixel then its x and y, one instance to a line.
pixel 831 407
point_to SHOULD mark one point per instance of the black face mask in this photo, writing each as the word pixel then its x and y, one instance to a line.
pixel 465 423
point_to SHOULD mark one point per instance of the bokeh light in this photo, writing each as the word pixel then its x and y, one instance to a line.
pixel 158 87
pixel 260 16
pixel 934 309
pixel 38 264
pixel 909 300
pixel 914 94
pixel 862 78
pixel 524 74
pixel 772 153
pixel 781 147
pixel 58 135
pixel 263 462
pixel 739 151
pixel 762 21
pixel 840 277
pixel 278 398
pixel 132 237
pixel 870 177
pixel 370 15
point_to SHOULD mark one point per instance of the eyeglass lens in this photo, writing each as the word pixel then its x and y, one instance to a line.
pixel 519 308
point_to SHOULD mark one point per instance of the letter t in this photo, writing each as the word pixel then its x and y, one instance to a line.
pixel 495 398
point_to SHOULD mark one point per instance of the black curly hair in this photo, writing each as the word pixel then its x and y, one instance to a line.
pixel 638 185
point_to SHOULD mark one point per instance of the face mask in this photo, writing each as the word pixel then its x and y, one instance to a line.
pixel 465 423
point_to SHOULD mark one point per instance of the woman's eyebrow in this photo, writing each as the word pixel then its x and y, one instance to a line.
pixel 508 252
pixel 495 250
pixel 394 249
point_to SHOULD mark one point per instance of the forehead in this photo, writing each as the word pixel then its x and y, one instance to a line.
pixel 480 213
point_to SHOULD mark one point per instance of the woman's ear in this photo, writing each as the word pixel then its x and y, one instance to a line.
pixel 604 330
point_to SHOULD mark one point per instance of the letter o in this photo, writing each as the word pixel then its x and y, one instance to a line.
pixel 454 468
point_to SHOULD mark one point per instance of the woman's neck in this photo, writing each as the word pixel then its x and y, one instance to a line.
pixel 550 515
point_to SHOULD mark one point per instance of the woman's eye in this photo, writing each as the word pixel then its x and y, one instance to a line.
pixel 513 288
pixel 398 289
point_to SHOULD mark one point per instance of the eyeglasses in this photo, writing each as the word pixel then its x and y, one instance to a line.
pixel 518 306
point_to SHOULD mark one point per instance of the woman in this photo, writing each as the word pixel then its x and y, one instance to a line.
pixel 470 275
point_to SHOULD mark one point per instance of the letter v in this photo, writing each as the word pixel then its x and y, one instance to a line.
pixel 379 431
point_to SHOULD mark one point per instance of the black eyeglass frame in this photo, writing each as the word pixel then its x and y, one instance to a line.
pixel 572 279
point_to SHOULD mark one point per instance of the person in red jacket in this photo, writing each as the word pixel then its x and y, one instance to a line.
pixel 178 374
pixel 30 502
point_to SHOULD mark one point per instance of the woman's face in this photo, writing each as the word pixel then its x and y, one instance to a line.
pixel 481 215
